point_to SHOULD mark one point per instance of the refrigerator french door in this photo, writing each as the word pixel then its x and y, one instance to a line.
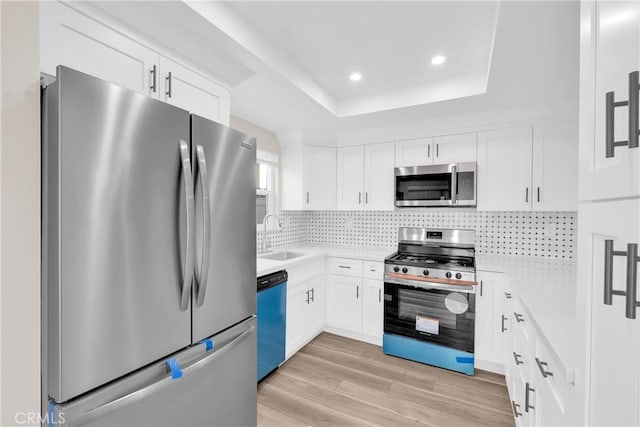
pixel 137 239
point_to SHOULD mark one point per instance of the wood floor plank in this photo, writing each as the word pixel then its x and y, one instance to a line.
pixel 414 379
pixel 408 408
pixel 339 372
pixel 304 410
pixel 269 417
pixel 455 406
pixel 365 412
pixel 338 381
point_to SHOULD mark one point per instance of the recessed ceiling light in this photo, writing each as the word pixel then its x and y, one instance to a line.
pixel 354 77
pixel 438 59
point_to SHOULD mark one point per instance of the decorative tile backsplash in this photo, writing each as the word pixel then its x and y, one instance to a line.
pixel 541 234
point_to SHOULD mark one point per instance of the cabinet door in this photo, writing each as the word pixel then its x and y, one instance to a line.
pixel 504 170
pixel 490 339
pixel 298 302
pixel 609 51
pixel 555 167
pixel 379 177
pixel 455 148
pixel 350 178
pixel 316 309
pixel 319 177
pixel 613 341
pixel 414 152
pixel 192 91
pixel 372 309
pixel 344 302
pixel 68 37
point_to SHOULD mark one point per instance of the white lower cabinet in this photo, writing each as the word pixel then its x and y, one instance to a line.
pixel 490 323
pixel 354 299
pixel 305 305
pixel 540 392
pixel 372 307
pixel 344 308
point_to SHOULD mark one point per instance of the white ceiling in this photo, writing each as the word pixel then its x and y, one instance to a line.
pixel 289 60
pixel 390 43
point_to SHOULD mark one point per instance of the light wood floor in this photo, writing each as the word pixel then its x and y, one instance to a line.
pixel 335 381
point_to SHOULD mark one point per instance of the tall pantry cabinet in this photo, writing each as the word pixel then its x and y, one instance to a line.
pixel 608 381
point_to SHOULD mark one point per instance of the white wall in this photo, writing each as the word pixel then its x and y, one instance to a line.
pixel 19 212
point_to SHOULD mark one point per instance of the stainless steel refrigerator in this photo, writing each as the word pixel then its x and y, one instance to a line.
pixel 148 261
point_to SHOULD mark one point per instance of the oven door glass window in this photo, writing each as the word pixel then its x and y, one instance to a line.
pixel 423 187
pixel 440 316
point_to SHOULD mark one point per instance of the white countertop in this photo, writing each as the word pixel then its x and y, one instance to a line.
pixel 547 289
pixel 267 266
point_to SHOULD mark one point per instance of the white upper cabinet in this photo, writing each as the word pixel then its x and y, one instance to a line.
pixel 526 168
pixel 455 148
pixel 440 149
pixel 504 170
pixel 379 178
pixel 555 167
pixel 308 178
pixel 72 38
pixel 350 178
pixel 184 88
pixel 609 51
pixel 366 177
pixel 319 178
pixel 414 152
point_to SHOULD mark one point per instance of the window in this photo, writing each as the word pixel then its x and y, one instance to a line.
pixel 266 184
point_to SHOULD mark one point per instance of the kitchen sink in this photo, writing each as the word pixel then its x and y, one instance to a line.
pixel 281 256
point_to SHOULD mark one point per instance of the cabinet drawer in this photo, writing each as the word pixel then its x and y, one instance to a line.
pixel 303 272
pixel 522 323
pixel 345 267
pixel 548 369
pixel 373 270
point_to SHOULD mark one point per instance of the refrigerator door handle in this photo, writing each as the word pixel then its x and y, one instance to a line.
pixel 165 382
pixel 206 226
pixel 187 269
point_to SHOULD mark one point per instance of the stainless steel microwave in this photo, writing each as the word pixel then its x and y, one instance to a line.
pixel 436 185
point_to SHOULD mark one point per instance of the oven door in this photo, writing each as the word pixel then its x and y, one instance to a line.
pixel 426 312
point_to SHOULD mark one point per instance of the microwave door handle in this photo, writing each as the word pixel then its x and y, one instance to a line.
pixel 454 184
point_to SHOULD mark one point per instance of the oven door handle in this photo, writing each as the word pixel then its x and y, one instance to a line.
pixel 427 285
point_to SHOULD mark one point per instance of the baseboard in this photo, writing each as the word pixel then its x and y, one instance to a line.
pixel 354 335
pixel 496 368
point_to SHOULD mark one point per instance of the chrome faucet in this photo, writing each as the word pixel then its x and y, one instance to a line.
pixel 264 229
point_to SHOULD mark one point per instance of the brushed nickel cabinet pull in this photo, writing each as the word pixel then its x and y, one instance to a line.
pixel 542 366
pixel 168 80
pixel 152 77
pixel 611 105
pixel 515 409
pixel 527 390
pixel 517 357
pixel 503 319
pixel 631 292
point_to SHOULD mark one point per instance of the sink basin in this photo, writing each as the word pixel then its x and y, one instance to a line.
pixel 281 256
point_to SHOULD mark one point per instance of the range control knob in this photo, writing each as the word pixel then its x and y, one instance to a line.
pixel 404 269
pixel 396 269
pixel 425 272
pixel 458 276
pixel 448 275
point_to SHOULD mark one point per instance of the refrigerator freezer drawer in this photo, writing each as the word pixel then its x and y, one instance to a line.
pixel 216 388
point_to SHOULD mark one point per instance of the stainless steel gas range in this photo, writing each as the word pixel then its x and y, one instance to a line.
pixel 429 298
